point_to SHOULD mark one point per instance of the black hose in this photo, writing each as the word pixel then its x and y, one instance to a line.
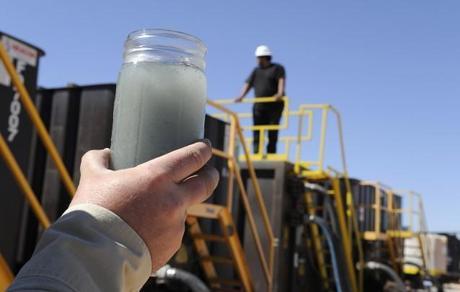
pixel 326 231
pixel 390 272
pixel 168 273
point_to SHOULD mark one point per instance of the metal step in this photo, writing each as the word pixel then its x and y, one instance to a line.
pixel 209 237
pixel 229 237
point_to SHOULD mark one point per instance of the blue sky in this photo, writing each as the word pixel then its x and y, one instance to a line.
pixel 392 68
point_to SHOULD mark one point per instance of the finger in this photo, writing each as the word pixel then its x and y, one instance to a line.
pixel 200 186
pixel 95 160
pixel 183 162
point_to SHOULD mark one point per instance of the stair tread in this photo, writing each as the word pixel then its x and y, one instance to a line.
pixel 209 237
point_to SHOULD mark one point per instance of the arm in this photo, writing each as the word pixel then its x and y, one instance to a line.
pixel 244 91
pixel 281 87
pixel 247 86
pixel 88 249
pixel 121 225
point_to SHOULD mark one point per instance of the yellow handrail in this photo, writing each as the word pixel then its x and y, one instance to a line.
pixel 21 179
pixel 312 168
pixel 235 173
pixel 37 121
pixel 6 276
pixel 298 139
pixel 415 209
pixel 262 128
pixel 5 152
pixel 352 223
pixel 399 215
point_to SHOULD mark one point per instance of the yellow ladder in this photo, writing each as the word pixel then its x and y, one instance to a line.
pixel 229 237
pixel 317 243
pixel 347 231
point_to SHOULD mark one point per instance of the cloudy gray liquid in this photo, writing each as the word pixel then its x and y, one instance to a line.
pixel 158 108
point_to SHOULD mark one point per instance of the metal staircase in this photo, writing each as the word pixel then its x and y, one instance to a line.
pixel 313 171
pixel 228 237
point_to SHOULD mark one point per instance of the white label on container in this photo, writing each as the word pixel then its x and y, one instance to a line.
pixel 18 51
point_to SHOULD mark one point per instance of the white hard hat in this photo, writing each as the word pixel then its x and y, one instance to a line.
pixel 263 51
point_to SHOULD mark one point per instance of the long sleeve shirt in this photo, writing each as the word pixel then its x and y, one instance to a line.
pixel 89 248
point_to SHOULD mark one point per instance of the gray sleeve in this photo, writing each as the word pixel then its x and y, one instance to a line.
pixel 280 72
pixel 88 249
pixel 250 79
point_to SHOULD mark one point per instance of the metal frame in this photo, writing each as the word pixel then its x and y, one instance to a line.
pixel 415 209
pixel 22 182
pixel 222 214
pixel 316 170
pixel 6 276
pixel 267 264
pixel 263 129
pixel 37 121
pixel 399 233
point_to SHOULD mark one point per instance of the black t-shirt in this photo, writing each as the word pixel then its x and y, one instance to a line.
pixel 265 80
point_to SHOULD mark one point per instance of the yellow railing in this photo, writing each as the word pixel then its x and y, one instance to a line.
pixel 376 232
pixel 37 121
pixel 404 222
pixel 410 216
pixel 6 276
pixel 293 133
pixel 12 164
pixel 413 213
pixel 300 133
pixel 236 134
pixel 263 129
pixel 416 227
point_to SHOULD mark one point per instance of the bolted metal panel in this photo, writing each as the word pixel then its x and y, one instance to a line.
pixel 94 122
pixel 283 199
pixel 62 129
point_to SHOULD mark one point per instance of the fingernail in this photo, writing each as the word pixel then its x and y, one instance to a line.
pixel 207 141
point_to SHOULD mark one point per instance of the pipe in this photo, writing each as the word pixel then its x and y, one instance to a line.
pixel 335 268
pixel 329 212
pixel 371 265
pixel 168 273
pixel 316 187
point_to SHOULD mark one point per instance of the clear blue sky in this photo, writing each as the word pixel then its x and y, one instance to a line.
pixel 392 68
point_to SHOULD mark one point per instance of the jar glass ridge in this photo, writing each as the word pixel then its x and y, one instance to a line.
pixel 165 46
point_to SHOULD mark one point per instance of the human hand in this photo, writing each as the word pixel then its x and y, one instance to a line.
pixel 151 197
pixel 278 97
pixel 239 99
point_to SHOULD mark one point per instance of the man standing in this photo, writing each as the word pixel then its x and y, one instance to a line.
pixel 268 80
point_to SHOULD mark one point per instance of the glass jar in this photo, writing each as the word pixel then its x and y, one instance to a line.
pixel 160 97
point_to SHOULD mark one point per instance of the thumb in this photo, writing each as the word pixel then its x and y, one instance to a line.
pixel 95 160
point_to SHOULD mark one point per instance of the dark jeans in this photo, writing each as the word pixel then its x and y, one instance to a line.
pixel 267 114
